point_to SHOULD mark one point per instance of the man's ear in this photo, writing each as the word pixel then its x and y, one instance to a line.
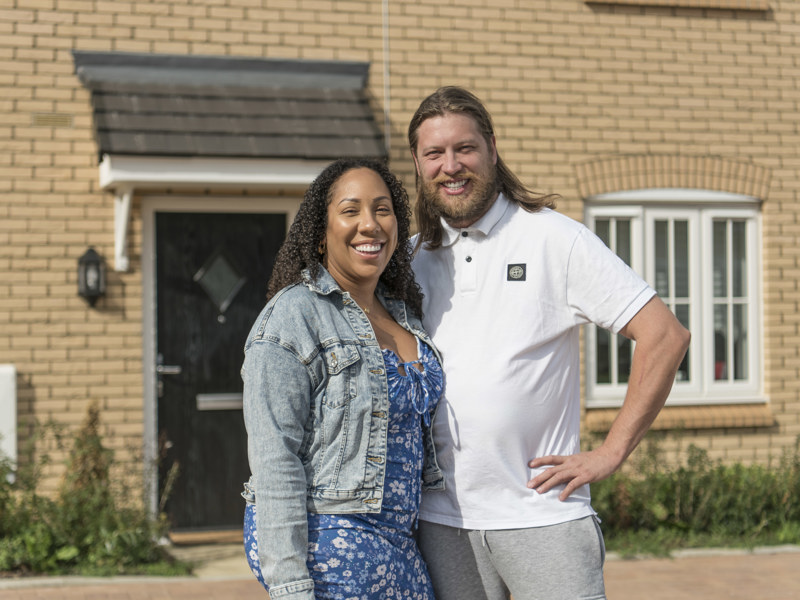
pixel 416 162
pixel 494 150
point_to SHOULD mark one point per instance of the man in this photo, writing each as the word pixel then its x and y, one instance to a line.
pixel 507 283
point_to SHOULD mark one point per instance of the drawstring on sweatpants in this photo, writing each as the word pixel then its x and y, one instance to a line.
pixel 481 533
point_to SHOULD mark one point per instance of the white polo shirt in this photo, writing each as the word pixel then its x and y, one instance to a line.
pixel 504 299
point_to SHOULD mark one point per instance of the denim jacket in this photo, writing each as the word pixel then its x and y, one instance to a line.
pixel 316 409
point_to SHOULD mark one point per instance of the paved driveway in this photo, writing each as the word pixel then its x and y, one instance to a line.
pixel 772 574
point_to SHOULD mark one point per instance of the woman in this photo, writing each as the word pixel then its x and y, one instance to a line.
pixel 340 385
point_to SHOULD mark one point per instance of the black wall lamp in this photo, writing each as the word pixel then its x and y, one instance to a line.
pixel 91 276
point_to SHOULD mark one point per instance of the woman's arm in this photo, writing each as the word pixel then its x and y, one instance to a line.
pixel 277 401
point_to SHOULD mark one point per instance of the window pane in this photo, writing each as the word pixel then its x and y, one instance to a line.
pixel 740 370
pixel 739 243
pixel 624 353
pixel 682 259
pixel 682 313
pixel 603 357
pixel 720 244
pixel 623 244
pixel 720 342
pixel 602 228
pixel 662 258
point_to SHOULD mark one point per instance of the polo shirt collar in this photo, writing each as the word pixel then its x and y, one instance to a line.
pixel 485 224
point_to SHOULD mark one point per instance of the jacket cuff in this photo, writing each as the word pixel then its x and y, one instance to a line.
pixel 295 590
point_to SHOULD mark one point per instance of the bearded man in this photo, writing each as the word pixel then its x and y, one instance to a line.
pixel 507 283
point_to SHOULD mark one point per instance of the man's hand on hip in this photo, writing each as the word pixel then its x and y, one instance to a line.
pixel 573 471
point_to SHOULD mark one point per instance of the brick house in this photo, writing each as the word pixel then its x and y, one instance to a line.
pixel 175 138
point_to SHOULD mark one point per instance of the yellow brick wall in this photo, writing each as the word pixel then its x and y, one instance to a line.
pixel 568 82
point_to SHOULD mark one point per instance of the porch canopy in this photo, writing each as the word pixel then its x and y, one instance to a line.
pixel 163 120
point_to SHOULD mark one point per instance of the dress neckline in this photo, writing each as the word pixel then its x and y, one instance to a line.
pixel 409 364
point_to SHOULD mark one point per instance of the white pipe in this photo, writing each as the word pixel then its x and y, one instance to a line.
pixel 122 211
pixel 8 415
pixel 387 94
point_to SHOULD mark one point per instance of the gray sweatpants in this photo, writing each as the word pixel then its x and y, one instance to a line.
pixel 558 562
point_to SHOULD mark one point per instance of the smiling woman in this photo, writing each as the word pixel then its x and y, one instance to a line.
pixel 304 247
pixel 340 386
pixel 361 235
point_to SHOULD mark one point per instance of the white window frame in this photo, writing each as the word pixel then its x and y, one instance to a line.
pixel 700 208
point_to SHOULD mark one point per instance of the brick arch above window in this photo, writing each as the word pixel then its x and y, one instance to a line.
pixel 654 171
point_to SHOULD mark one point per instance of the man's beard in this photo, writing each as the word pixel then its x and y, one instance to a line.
pixel 461 211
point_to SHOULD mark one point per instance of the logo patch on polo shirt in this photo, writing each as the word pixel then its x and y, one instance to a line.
pixel 515 272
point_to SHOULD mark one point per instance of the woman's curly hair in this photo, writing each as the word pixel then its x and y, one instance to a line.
pixel 301 249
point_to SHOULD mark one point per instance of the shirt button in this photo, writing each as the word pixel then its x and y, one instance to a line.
pixel 469 259
pixel 464 233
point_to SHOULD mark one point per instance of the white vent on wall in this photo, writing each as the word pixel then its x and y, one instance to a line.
pixel 8 412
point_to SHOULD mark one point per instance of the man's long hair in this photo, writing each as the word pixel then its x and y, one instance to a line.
pixel 457 100
pixel 301 249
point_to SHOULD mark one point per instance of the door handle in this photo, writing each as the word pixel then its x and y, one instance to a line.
pixel 169 369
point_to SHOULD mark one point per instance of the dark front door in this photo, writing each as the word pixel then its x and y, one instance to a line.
pixel 211 276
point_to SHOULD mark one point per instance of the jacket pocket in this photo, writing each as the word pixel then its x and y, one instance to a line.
pixel 339 364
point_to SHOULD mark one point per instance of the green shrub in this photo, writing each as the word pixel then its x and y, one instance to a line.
pixel 90 527
pixel 654 509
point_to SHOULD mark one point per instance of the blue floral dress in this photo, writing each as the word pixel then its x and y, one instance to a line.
pixel 373 556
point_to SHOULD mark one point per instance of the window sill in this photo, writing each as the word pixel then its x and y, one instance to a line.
pixel 755 5
pixel 692 417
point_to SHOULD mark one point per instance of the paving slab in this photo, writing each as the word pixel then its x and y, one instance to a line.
pixel 764 574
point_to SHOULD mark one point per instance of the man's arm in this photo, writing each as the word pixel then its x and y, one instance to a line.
pixel 661 342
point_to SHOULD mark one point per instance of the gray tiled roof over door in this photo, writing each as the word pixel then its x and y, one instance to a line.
pixel 208 106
